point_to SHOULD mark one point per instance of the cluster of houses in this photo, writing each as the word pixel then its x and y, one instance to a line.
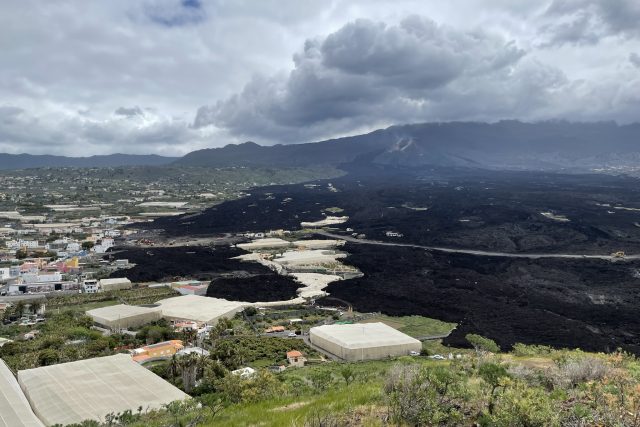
pixel 41 257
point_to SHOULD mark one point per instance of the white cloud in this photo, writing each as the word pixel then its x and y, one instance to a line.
pixel 67 67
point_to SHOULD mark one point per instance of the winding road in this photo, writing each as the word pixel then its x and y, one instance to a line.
pixel 476 252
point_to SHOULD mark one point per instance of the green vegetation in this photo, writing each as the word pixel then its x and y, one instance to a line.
pixel 115 189
pixel 569 388
pixel 235 352
pixel 482 344
pixel 531 386
pixel 415 326
pixel 84 302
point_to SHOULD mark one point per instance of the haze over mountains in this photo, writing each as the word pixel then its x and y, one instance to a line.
pixel 556 145
pixel 28 161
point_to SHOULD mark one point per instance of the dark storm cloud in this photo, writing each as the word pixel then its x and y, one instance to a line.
pixel 75 71
pixel 634 58
pixel 368 72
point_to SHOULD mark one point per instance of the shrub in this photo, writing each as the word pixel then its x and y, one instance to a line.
pixel 482 344
pixel 579 370
pixel 525 350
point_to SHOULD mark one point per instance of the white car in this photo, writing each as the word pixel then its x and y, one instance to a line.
pixel 414 353
pixel 437 357
pixel 292 335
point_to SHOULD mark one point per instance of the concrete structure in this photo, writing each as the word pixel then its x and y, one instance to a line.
pixel 193 350
pixel 123 316
pixel 14 406
pixel 31 278
pixel 365 341
pixel 90 286
pixel 192 289
pixel 244 372
pixel 114 284
pixel 295 358
pixel 199 309
pixel 69 393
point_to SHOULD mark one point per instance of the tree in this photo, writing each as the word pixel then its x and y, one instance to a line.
pixel 347 373
pixel 47 357
pixel 191 368
pixel 481 344
pixel 86 245
pixel 420 395
pixel 494 375
pixel 250 311
pixel 21 253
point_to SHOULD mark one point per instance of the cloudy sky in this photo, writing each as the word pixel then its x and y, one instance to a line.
pixel 170 76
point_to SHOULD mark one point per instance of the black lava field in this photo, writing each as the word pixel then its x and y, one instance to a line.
pixel 584 303
pixel 499 211
pixel 230 279
pixel 590 304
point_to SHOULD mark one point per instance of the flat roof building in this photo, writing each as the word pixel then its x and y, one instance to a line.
pixel 365 341
pixel 198 308
pixel 115 283
pixel 14 406
pixel 123 316
pixel 90 389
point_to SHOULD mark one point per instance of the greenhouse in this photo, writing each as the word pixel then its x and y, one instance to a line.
pixel 123 316
pixel 14 406
pixel 90 389
pixel 198 308
pixel 365 341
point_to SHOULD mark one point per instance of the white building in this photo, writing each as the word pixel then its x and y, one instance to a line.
pixel 247 372
pixel 30 278
pixel 74 247
pixel 365 341
pixel 90 286
pixel 20 243
pixel 112 233
pixel 104 245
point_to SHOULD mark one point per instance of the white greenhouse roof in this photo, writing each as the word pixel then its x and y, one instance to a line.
pixel 198 308
pixel 14 406
pixel 363 335
pixel 91 389
pixel 117 312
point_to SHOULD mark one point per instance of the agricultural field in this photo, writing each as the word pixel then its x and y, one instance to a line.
pixel 414 326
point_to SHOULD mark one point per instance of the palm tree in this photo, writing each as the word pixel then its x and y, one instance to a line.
pixel 190 367
pixel 173 368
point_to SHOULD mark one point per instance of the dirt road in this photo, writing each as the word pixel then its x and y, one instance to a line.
pixel 474 251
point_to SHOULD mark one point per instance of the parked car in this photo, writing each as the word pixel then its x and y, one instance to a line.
pixel 292 335
pixel 414 353
pixel 437 357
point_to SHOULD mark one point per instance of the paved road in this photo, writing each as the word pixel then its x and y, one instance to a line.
pixel 473 251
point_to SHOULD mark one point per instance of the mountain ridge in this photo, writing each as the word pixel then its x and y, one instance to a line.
pixel 507 144
pixel 30 161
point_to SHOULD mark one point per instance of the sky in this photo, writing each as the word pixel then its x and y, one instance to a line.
pixel 168 77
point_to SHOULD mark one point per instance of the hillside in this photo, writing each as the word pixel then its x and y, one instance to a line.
pixel 530 387
pixel 29 161
pixel 502 145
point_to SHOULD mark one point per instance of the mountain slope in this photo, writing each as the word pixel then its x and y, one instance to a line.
pixel 502 145
pixel 27 161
